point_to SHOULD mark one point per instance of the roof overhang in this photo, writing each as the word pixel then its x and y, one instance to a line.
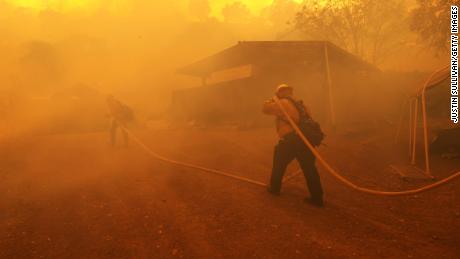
pixel 272 53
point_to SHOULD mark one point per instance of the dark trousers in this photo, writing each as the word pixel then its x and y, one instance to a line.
pixel 289 148
pixel 113 133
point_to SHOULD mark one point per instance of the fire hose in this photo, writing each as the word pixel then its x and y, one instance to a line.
pixel 348 183
pixel 328 167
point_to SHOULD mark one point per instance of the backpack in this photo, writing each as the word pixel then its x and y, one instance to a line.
pixel 309 127
pixel 127 113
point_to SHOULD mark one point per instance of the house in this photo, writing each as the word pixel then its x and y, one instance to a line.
pixel 325 76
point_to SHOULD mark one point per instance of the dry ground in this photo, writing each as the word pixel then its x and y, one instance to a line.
pixel 71 196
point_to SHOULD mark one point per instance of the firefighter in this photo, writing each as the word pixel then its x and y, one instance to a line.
pixel 291 147
pixel 120 115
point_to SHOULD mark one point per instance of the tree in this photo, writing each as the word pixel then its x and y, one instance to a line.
pixel 236 12
pixel 41 65
pixel 368 28
pixel 431 21
pixel 199 9
pixel 281 12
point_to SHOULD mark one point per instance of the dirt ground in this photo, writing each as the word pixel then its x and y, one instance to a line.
pixel 72 196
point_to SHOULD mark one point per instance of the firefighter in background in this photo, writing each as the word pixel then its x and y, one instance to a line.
pixel 120 116
pixel 290 146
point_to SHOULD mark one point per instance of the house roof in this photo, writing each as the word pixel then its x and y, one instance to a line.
pixel 268 52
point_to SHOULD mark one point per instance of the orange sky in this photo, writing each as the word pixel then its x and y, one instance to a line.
pixel 217 5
